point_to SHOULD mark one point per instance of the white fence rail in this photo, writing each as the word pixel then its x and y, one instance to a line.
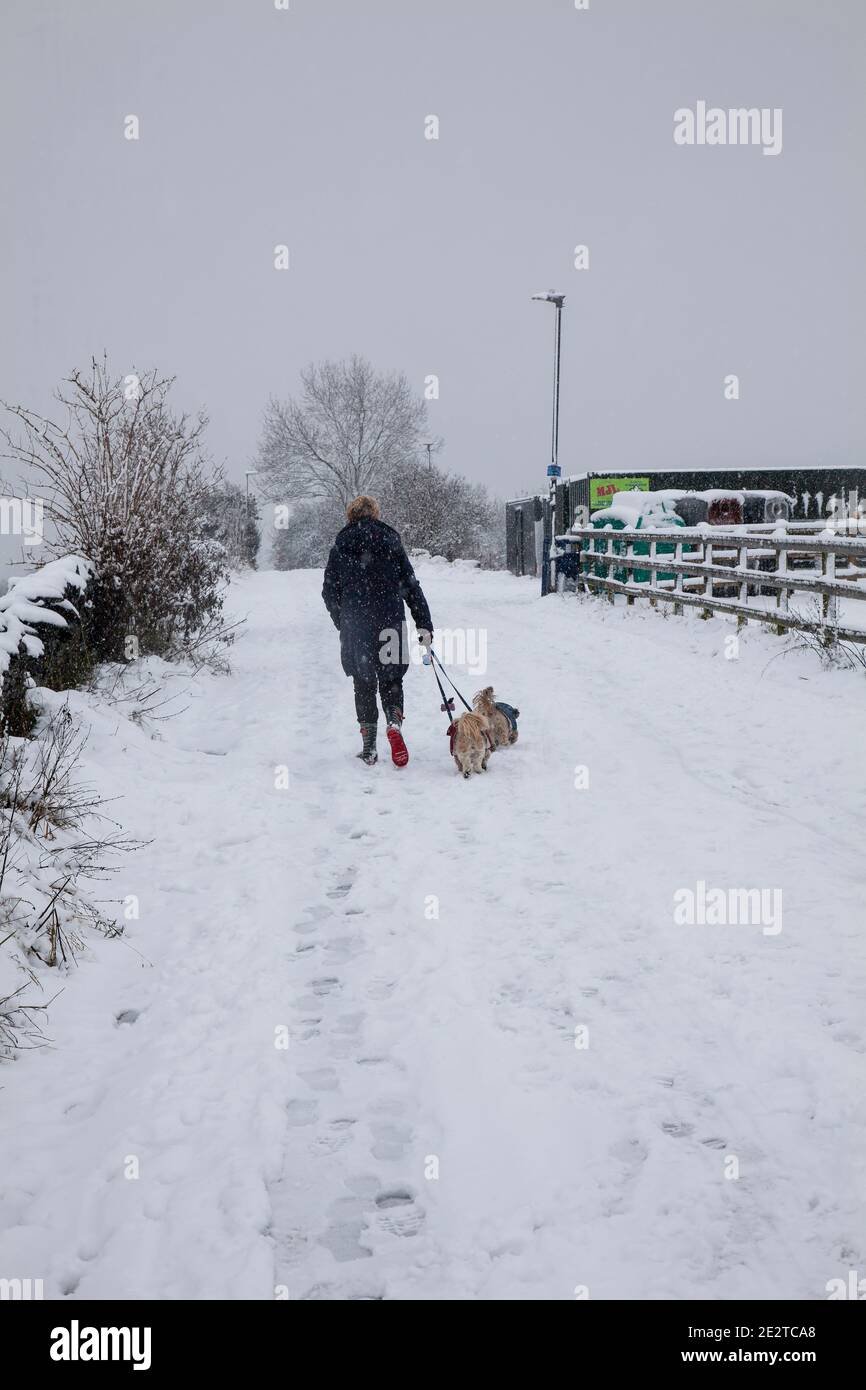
pixel 727 571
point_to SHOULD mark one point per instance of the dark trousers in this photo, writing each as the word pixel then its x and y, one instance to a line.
pixel 390 693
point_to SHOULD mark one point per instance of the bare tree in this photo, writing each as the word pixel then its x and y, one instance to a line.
pixel 351 425
pixel 127 488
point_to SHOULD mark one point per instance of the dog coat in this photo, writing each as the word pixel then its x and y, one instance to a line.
pixel 510 714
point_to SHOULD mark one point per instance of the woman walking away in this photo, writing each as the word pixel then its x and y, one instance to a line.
pixel 367 577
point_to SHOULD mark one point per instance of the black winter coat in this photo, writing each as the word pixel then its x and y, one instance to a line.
pixel 367 577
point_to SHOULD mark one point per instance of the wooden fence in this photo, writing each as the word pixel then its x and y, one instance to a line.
pixel 726 571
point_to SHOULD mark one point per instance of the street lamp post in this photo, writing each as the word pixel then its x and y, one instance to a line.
pixel 553 468
pixel 557 300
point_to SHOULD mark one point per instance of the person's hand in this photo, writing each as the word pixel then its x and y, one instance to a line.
pixel 426 640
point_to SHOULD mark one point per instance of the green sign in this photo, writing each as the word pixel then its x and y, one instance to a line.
pixel 602 490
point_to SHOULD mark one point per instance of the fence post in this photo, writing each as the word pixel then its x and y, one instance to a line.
pixel 783 595
pixel 629 571
pixel 708 580
pixel 609 549
pixel 743 564
pixel 829 602
pixel 678 582
pixel 653 575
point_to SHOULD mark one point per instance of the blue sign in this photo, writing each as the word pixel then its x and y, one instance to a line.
pixel 553 470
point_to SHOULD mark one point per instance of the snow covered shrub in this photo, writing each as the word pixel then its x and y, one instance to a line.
pixel 823 640
pixel 433 511
pixel 307 538
pixel 233 520
pixel 443 513
pixel 51 836
pixel 45 636
pixel 127 487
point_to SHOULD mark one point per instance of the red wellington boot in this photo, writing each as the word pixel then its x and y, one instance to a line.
pixel 399 751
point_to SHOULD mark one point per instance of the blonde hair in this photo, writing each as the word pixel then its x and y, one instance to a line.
pixel 363 506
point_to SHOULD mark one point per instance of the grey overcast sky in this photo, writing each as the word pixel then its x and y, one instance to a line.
pixel 306 127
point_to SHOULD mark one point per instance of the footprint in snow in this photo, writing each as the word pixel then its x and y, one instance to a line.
pixel 631 1152
pixel 380 989
pixel 348 1024
pixel 302 1112
pixel 340 891
pixel 677 1129
pixel 290 1246
pixel 343 1239
pixel 321 1079
pixel 390 1140
pixel 338 1293
pixel 348 1222
pixel 328 984
pixel 307 1003
pixel 337 1135
pixel 344 947
pixel 398 1213
pixel 381 1062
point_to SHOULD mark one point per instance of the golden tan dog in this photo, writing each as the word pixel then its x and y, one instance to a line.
pixel 470 744
pixel 498 724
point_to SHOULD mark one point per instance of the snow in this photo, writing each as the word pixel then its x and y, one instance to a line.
pixel 651 509
pixel 23 604
pixel 50 581
pixel 419 1040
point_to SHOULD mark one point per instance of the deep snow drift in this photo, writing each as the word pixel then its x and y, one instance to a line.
pixel 509 1071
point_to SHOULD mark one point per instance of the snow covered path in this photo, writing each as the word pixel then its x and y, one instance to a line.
pixel 431 947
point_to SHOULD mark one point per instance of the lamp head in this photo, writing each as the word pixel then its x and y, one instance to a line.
pixel 551 297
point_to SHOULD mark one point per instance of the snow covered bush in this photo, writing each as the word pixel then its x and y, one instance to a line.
pixel 443 513
pixel 45 638
pixel 304 542
pixel 52 835
pixel 233 520
pixel 127 488
pixel 434 511
pixel 817 635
